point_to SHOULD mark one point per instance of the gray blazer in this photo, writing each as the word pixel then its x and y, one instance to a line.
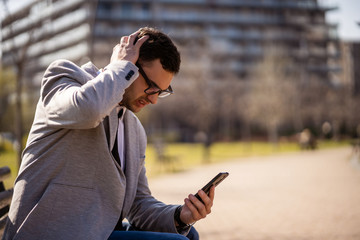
pixel 69 185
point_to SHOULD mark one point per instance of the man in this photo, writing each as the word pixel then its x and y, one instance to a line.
pixel 83 170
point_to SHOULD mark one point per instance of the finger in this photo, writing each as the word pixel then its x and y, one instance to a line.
pixel 194 212
pixel 133 36
pixel 212 193
pixel 124 39
pixel 199 205
pixel 116 46
pixel 206 200
pixel 141 41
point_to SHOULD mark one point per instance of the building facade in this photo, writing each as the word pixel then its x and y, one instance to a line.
pixel 350 60
pixel 225 37
pixel 43 31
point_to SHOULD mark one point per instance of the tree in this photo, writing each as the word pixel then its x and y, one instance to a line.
pixel 273 93
pixel 19 57
pixel 7 91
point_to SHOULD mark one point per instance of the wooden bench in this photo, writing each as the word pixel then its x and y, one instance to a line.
pixel 5 198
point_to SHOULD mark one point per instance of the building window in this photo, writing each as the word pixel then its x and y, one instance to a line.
pixel 126 9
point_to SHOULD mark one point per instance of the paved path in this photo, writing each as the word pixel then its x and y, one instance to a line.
pixel 308 195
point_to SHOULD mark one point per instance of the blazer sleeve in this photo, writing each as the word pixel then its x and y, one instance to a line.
pixel 149 214
pixel 72 98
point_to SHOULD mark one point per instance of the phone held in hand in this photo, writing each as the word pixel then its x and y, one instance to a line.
pixel 214 182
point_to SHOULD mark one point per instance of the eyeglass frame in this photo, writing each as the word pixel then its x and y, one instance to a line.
pixel 151 84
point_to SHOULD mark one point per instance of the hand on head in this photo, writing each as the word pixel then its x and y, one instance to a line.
pixel 126 49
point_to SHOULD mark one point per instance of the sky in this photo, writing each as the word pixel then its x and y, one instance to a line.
pixel 347 16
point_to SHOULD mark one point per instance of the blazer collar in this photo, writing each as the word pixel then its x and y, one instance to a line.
pixel 132 154
pixel 113 125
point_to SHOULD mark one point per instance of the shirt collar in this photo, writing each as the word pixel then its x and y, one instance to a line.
pixel 123 109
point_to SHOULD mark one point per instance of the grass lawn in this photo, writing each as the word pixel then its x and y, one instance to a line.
pixel 185 156
pixel 8 158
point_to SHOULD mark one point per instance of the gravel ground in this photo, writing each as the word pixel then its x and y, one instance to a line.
pixel 308 195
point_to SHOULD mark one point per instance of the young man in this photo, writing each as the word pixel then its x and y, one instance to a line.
pixel 83 169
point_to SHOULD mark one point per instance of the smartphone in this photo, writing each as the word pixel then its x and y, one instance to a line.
pixel 214 182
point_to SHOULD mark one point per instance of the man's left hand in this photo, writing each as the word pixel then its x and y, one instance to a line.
pixel 194 210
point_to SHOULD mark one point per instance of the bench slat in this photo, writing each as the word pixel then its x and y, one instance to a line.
pixel 2 225
pixel 5 197
pixel 4 173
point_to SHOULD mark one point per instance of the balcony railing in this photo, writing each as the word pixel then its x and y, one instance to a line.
pixel 35 20
pixel 304 4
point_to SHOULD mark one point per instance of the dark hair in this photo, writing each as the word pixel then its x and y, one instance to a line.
pixel 159 46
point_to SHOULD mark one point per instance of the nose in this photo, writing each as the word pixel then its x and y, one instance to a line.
pixel 152 98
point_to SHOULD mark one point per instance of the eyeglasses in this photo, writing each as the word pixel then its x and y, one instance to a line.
pixel 153 88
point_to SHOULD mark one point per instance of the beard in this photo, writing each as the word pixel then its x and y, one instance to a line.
pixel 134 104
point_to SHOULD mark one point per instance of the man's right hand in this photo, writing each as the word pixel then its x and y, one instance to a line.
pixel 126 49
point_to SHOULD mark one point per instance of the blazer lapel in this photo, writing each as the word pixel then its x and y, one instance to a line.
pixel 131 161
pixel 113 125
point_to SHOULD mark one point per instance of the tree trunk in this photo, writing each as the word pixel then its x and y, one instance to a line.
pixel 18 114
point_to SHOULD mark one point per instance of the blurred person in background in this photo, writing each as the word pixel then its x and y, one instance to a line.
pixel 82 171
